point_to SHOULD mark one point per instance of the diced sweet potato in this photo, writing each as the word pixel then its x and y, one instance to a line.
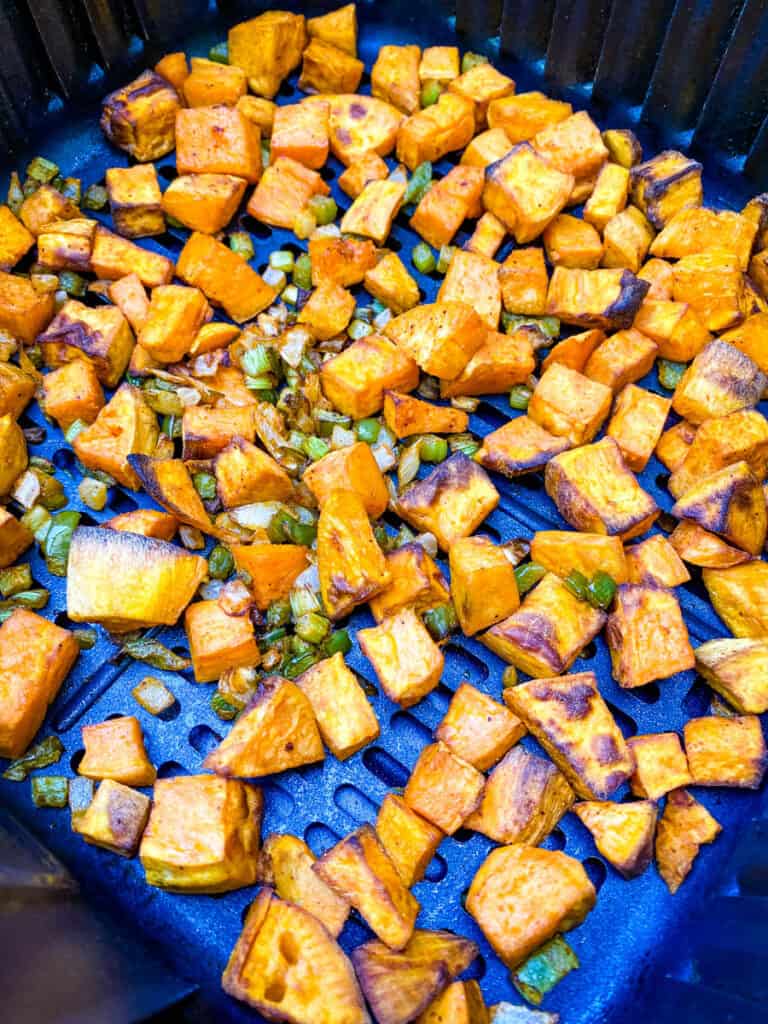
pixel 284 191
pixel 130 297
pixel 441 336
pixel 486 148
pixel 623 146
pixel 115 750
pixel 359 869
pixel 660 275
pixel 246 474
pixel 473 280
pixel 623 833
pixel 15 239
pixel 35 658
pixel 395 77
pixel 737 669
pixel 113 257
pixel 525 192
pixel 211 83
pixel 417 583
pixel 697 230
pixel 66 244
pixel 439 64
pixel 502 361
pixel 674 444
pixel 223 277
pixel 15 538
pixel 338 27
pixel 636 424
pixel 135 200
pixel 478 729
pixel 525 114
pixel 344 716
pixel 115 818
pixel 654 562
pixel 562 551
pixel 327 311
pixel 286 863
pixel 273 569
pixel 174 317
pixel 101 336
pixel 521 896
pixel 609 196
pixel 548 632
pixel 483 585
pixel 13 452
pixel 740 597
pixel 523 279
pixel 621 359
pixel 731 503
pixel 647 636
pixel 674 326
pixel 259 111
pixel 660 764
pixel 44 206
pixel 351 564
pixel 405 415
pixel 720 380
pixel 751 338
pixel 758 273
pixel 664 185
pixel 572 242
pixel 173 68
pixel 24 312
pixel 407 661
pixel 300 132
pixel 267 48
pixel 435 131
pixel 207 430
pixel 356 379
pixel 362 124
pixel 390 283
pixel 446 205
pixel 217 140
pixel 482 84
pixel 147 522
pixel 204 202
pixel 684 827
pixel 368 167
pixel 341 261
pixel 372 213
pixel 595 298
pixel 410 840
pixel 125 426
pixel 720 442
pixel 327 69
pixel 461 1003
pixel 570 719
pixel 218 641
pixel 353 468
pixel 726 751
pixel 16 389
pixel 567 404
pixel 170 483
pixel 140 117
pixel 487 237
pixel 572 145
pixel 712 284
pixel 520 446
pixel 443 788
pixel 699 547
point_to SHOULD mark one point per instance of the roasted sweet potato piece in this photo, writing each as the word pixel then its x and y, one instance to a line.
pixel 487 237
pixel 627 237
pixel 443 788
pixel 273 569
pixel 562 551
pixel 405 415
pixel 66 244
pixel 286 863
pixel 134 200
pixel 417 583
pixel 697 230
pixel 259 111
pixel 173 68
pixel 502 361
pixel 636 424
pixel 570 719
pixel 647 636
pixel 327 311
pixel 674 445
pixel 523 279
pixel 328 69
pixel 609 196
pixel 360 125
pixel 100 335
pixel 15 538
pixel 712 284
pixel 367 167
pixel 572 242
pixel 13 452
pixel 277 731
pixel 595 298
pixel 210 83
pixel 356 379
pixel 115 750
pixel 337 27
pixel 115 818
pixel 223 277
pixel 726 751
pixel 112 257
pixel 699 547
pixel 731 503
pixel 547 632
pixel 359 869
pixel 372 213
pixel 486 148
pixel 521 896
pixel 245 474
pixel 740 597
pixel 750 337
pixel 125 426
pixel 174 317
pixel 654 562
pixel 461 1003
pixel 218 641
pixel 15 239
pixel 169 483
pixel 146 521
pixel 525 192
pixel 758 271
pixel 525 114
pixel 660 275
pixel 520 446
pixel 16 389
pixel 44 206
pixel 483 585
pixel 472 279
pixel 623 146
pixel 660 764
pixel 674 326
pixel 35 658
pixel 447 204
pixel 24 312
pixel 482 84
pixel 395 77
pixel 204 202
pixel 212 336
pixel 407 661
pixel 478 729
pixel 720 380
pixel 684 827
pixel 217 140
pixel 130 297
pixel 439 64
pixel 440 336
pixel 341 261
pixel 286 962
pixel 300 132
pixel 756 211
pixel 410 840
pixel 594 491
pixel 353 468
pixel 152 581
pixel 664 185
pixel 572 145
pixel 267 48
pixel 206 430
pixel 621 359
pixel 737 669
pixel 351 564
pixel 203 834
pixel 623 833
pixel 141 116
pixel 435 131
pixel 344 715
pixel 567 404
pixel 720 442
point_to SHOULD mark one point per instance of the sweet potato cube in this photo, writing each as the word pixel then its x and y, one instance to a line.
pixel 300 131
pixel 483 584
pixel 246 474
pixel 360 125
pixel 700 547
pixel 596 492
pixel 582 190
pixel 352 468
pixel 15 239
pixel 169 482
pixel 327 311
pixel 410 840
pixel 720 380
pixel 130 297
pixel 341 261
pixel 712 284
pixel 505 898
pixel 562 551
pixel 207 430
pixel 501 361
pixel 684 827
pixel 277 731
pixel 112 257
pixel 337 27
pixel 173 68
pixel 524 115
pixel 443 788
pixel 660 764
pixel 674 326
pixel 751 338
pixel 217 140
pixel 390 283
pixel 731 503
pixel 101 336
pixel 223 277
pixel 525 192
pixel 286 962
pixel 395 77
pixel 210 83
pixel 44 206
pixel 359 869
pixel 356 379
pixel 140 117
pixel 520 446
pixel 486 148
pixel 439 64
pixel 203 834
pixel 720 442
pixel 372 213
pixel 407 661
pixel 145 521
pixel 647 636
pixel 351 564
pixel 609 196
pixel 697 229
pixel 547 632
pixel 24 312
pixel 482 84
pixel 35 658
pixel 13 452
pixel 654 562
pixel 674 444
pixel 204 202
pixel 328 69
pixel 524 798
pixel 462 1003
pixel 572 242
pixel 259 111
pixel 273 569
pixel 572 145
pixel 567 404
pixel 417 583
pixel 473 280
pixel 756 211
pixel 446 205
pixel 623 833
pixel 621 359
pixel 368 167
pixel 218 641
pixel 636 424
pixel 451 502
pixel 595 298
pixel 664 185
pixel 726 751
pixel 435 131
pixel 135 200
pixel 660 275
pixel 67 244
pixel 738 670
pixel 115 750
pixel 344 715
pixel 405 416
pixel 758 273
pixel 16 389
pixel 740 597
pixel 174 317
pixel 623 146
pixel 268 48
pixel 523 279
pixel 115 818
pixel 487 237
pixel 478 729
pixel 125 426
pixel 627 237
pixel 286 863
pixel 440 336
pixel 15 538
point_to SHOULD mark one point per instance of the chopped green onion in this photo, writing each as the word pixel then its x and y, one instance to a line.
pixel 242 243
pixel 58 538
pixel 42 170
pixel 205 485
pixel 302 272
pixel 282 259
pixel 155 654
pixel 527 575
pixel 80 796
pixel 93 493
pixel 72 283
pixel 266 152
pixel 15 579
pixel 338 643
pixel 221 564
pixel 509 676
pixel 73 430
pixel 223 708
pixel 359 329
pixel 544 969
pixel 323 208
pixel 520 396
pixel 279 612
pixel 368 430
pixel 299 663
pixel 445 257
pixel 471 60
pixel 50 791
pixel 35 599
pixel 312 627
pixel 601 590
pixel 316 448
pixel 441 620
pixel 153 695
pixel 430 92
pixel 85 638
pixel 423 258
pixel 577 583
pixel 43 754
pixel 171 426
pixel 219 53
pixel 433 448
pixel 95 197
pixel 670 373
pixel 418 184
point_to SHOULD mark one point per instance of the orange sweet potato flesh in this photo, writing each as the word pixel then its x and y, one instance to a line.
pixel 73 392
pixel 405 415
pixel 218 641
pixel 223 277
pixel 173 68
pixel 273 568
pixel 217 140
pixel 284 191
pixel 353 467
pixel 146 521
pixel 115 750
